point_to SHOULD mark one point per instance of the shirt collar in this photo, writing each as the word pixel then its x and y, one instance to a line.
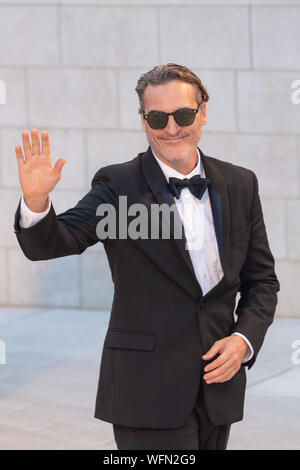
pixel 168 171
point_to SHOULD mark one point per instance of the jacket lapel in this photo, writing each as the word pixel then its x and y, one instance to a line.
pixel 219 206
pixel 218 198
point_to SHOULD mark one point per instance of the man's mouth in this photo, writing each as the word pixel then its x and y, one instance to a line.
pixel 173 139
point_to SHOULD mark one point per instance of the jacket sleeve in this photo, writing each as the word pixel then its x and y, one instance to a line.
pixel 259 284
pixel 70 232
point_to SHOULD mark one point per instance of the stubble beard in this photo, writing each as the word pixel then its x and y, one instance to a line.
pixel 158 151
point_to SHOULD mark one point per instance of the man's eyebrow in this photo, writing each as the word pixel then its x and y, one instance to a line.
pixel 181 107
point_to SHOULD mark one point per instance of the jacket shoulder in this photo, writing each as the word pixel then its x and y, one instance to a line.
pixel 231 171
pixel 117 172
pixel 241 184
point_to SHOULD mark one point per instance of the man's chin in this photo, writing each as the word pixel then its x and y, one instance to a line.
pixel 175 155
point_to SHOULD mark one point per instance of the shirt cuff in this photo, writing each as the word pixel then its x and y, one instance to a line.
pixel 28 217
pixel 249 354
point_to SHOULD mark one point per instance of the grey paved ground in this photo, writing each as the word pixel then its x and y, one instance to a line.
pixel 48 384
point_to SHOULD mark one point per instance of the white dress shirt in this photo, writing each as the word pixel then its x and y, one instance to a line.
pixel 197 219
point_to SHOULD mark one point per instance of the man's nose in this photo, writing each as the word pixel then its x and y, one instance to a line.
pixel 172 127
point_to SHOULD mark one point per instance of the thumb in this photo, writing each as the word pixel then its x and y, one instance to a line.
pixel 212 351
pixel 59 164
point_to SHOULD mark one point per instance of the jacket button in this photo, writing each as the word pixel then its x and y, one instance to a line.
pixel 202 304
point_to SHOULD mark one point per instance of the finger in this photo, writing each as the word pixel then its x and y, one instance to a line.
pixel 217 362
pixel 220 370
pixel 35 142
pixel 59 164
pixel 19 155
pixel 26 145
pixel 223 377
pixel 45 144
pixel 212 351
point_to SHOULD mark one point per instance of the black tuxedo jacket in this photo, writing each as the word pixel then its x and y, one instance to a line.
pixel 160 322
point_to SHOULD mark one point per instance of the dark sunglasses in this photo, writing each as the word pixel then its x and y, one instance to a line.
pixel 159 119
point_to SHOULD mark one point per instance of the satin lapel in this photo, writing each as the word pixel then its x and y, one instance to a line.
pixel 219 206
pixel 158 184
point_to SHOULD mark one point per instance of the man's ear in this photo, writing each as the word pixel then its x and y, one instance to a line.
pixel 203 113
pixel 143 123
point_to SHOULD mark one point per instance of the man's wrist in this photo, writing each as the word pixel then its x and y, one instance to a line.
pixel 250 352
pixel 36 204
pixel 242 345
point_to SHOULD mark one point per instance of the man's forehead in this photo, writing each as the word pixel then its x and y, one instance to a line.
pixel 167 95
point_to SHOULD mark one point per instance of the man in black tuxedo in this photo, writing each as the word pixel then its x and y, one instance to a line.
pixel 172 372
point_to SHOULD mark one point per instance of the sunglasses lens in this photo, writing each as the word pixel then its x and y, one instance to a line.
pixel 157 120
pixel 184 117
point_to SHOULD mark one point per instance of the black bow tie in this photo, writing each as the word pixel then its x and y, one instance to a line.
pixel 196 185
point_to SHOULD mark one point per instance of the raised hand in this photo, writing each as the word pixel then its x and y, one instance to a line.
pixel 36 174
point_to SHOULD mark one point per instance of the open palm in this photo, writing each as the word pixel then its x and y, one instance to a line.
pixel 36 174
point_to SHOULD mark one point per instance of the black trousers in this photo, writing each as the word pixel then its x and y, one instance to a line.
pixel 198 433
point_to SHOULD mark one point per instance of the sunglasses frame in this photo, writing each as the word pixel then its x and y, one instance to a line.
pixel 195 111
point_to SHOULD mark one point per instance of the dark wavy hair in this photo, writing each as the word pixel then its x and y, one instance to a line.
pixel 165 73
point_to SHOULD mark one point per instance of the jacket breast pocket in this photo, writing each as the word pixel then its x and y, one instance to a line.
pixel 240 235
pixel 129 339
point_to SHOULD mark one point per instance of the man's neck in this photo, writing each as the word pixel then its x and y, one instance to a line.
pixel 183 167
